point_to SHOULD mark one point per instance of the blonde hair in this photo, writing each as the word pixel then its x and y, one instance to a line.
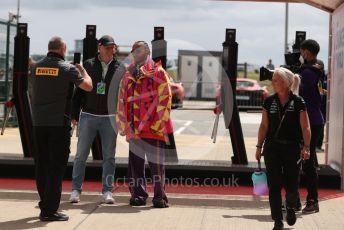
pixel 291 80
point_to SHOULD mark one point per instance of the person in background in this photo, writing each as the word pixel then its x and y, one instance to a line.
pixel 311 72
pixel 270 66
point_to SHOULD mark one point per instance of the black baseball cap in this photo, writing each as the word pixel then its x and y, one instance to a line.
pixel 106 40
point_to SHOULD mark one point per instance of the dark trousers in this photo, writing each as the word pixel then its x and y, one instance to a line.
pixel 155 152
pixel 282 169
pixel 321 137
pixel 51 157
pixel 309 166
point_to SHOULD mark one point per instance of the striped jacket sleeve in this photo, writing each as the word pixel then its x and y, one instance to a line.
pixel 164 100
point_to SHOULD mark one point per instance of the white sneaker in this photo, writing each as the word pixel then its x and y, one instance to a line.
pixel 74 196
pixel 107 198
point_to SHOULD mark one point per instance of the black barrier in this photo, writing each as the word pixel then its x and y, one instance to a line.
pixel 300 36
pixel 159 53
pixel 20 86
pixel 90 43
pixel 159 46
pixel 90 50
pixel 230 63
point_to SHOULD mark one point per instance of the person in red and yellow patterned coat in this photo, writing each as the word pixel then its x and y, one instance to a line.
pixel 144 118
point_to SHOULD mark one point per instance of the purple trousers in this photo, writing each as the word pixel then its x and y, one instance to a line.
pixel 155 152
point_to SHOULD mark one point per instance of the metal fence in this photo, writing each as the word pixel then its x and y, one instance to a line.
pixel 249 99
pixel 12 120
pixel 206 91
pixel 7 34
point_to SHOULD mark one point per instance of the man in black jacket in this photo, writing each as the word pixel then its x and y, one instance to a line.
pixel 97 116
pixel 52 88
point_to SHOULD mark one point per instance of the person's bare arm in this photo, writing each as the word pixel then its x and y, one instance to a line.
pixel 306 133
pixel 263 128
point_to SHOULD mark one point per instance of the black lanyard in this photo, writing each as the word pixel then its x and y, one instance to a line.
pixel 283 115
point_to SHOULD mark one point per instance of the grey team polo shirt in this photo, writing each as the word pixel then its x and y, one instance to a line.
pixel 53 81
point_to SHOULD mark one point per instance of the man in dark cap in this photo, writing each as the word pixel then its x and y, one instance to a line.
pixel 144 117
pixel 91 110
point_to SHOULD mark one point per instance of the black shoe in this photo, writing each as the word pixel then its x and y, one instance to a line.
pixel 297 208
pixel 291 218
pixel 160 204
pixel 311 207
pixel 137 202
pixel 278 225
pixel 53 217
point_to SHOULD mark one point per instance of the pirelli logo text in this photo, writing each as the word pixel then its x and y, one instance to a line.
pixel 44 71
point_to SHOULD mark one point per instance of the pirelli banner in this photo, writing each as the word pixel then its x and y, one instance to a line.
pixel 335 156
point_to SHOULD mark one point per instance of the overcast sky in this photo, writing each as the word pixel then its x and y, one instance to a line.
pixel 189 24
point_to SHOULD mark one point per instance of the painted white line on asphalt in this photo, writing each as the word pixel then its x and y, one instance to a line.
pixel 188 123
pixel 181 129
pixel 183 121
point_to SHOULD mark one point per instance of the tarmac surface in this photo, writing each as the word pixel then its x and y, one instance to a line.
pixel 190 211
pixel 191 207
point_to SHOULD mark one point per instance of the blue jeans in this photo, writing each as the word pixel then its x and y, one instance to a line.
pixel 89 125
